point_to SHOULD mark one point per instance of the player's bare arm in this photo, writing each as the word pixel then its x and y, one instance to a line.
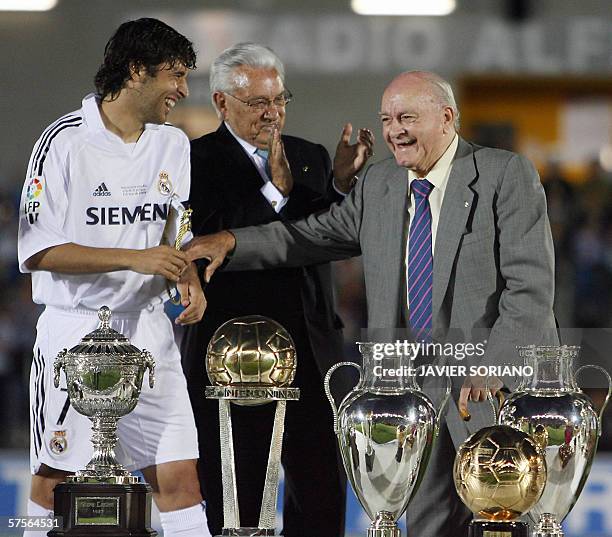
pixel 73 258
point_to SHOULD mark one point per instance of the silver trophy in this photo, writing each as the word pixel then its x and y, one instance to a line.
pixel 550 407
pixel 104 375
pixel 386 428
pixel 251 361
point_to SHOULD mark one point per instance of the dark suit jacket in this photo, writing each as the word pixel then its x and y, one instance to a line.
pixel 225 193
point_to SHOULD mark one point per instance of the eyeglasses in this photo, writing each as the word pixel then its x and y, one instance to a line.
pixel 260 104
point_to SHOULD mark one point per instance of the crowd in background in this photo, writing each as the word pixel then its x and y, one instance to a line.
pixel 581 220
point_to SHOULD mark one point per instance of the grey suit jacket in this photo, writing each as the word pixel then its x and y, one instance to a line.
pixel 493 262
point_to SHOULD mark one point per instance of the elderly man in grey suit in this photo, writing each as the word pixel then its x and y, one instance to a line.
pixel 456 246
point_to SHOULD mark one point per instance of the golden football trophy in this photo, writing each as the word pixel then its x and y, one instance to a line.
pixel 499 474
pixel 250 361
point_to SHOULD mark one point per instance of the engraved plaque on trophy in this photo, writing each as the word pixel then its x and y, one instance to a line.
pixel 250 361
pixel 104 374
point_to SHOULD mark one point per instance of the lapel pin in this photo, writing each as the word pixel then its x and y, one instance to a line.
pixel 305 169
pixel 467 203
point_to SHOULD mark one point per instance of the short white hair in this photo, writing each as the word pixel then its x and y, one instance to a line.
pixel 223 69
pixel 442 90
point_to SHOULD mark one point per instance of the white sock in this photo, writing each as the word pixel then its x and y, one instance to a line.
pixel 35 509
pixel 189 522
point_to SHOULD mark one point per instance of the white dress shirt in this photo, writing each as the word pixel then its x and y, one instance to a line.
pixel 438 177
pixel 269 190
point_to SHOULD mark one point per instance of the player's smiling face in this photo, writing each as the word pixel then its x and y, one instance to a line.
pixel 160 92
pixel 253 85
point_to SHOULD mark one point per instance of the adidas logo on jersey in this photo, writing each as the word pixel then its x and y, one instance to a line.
pixel 101 190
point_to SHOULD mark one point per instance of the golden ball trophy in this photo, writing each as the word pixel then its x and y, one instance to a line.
pixel 250 361
pixel 499 474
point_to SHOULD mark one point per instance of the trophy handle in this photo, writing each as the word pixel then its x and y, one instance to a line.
pixel 149 364
pixel 607 399
pixel 499 395
pixel 57 367
pixel 328 391
pixel 443 403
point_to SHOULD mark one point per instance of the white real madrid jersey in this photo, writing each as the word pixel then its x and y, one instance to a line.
pixel 86 186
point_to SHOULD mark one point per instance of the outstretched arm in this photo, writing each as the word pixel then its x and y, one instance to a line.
pixel 319 238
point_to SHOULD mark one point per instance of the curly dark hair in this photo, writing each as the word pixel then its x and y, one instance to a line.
pixel 141 43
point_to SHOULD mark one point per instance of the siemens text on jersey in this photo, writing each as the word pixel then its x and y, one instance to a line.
pixel 115 216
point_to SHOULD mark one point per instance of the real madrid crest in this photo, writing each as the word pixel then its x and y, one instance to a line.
pixel 59 442
pixel 164 185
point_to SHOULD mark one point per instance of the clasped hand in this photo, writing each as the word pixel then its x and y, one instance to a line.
pixel 348 160
pixel 279 165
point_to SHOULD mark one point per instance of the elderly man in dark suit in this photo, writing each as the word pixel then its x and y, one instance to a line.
pixel 456 247
pixel 243 174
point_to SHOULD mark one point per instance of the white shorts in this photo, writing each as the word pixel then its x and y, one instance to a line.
pixel 160 429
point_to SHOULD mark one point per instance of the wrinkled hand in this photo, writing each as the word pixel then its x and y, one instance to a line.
pixel 351 158
pixel 192 296
pixel 475 389
pixel 162 260
pixel 279 165
pixel 213 247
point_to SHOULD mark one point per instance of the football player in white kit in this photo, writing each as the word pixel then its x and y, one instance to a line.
pixel 94 207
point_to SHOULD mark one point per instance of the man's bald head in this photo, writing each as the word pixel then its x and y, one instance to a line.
pixel 419 119
pixel 440 90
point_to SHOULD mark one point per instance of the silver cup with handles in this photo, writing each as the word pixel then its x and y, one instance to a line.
pixel 386 428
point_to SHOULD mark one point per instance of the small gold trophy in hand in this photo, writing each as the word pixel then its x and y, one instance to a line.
pixel 179 219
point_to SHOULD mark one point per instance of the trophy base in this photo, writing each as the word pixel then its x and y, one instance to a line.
pixel 102 509
pixel 491 528
pixel 548 527
pixel 384 525
pixel 384 532
pixel 247 532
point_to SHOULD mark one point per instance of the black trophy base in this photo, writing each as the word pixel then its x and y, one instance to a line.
pixel 103 509
pixel 490 528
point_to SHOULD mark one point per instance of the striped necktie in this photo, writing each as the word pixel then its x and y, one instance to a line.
pixel 420 263
pixel 263 153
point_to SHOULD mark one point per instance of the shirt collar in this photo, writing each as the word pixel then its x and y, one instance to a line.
pixel 92 112
pixel 438 175
pixel 93 118
pixel 249 148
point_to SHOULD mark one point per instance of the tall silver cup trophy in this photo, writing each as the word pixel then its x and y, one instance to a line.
pixel 550 407
pixel 104 374
pixel 251 361
pixel 385 428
